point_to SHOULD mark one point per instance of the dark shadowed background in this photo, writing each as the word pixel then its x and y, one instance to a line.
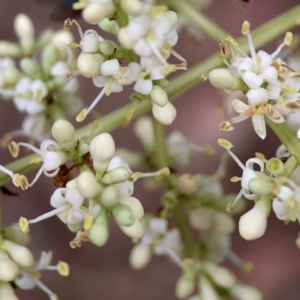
pixel 104 273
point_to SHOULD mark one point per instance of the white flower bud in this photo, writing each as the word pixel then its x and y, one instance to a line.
pixel 223 79
pixel 9 49
pixel 110 196
pixel 246 292
pixel 8 270
pixel 201 218
pixel 125 40
pixel 159 96
pixel 187 184
pixel 172 17
pixel 135 205
pixel 102 149
pixel 223 223
pixel 87 185
pixel 21 255
pixel 165 115
pixel 15 234
pixel 185 285
pixel 132 7
pixel 6 291
pixel 134 231
pixel 116 175
pixel 63 132
pixel 89 64
pixel 140 256
pixel 143 129
pixel 61 39
pixel 98 233
pixel 220 275
pixel 253 224
pixel 24 29
pixel 207 290
pixel 123 215
pixel 96 12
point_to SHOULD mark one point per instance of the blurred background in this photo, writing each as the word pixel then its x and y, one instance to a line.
pixel 104 273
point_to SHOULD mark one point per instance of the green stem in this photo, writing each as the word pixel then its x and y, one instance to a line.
pixel 290 166
pixel 209 27
pixel 261 36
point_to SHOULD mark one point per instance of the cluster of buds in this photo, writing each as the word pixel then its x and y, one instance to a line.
pixel 103 188
pixel 18 269
pixel 38 88
pixel 150 34
pixel 270 86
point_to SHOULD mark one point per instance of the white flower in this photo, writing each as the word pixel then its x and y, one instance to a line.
pixel 28 279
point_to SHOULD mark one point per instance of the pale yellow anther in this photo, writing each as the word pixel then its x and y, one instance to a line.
pixel 260 111
pixel 23 223
pixel 79 5
pixel 225 126
pixel 276 186
pixel 232 42
pixel 225 144
pixel 260 155
pixel 135 176
pixel 36 160
pixel 166 69
pixel 39 95
pixel 21 181
pixel 69 76
pixel 235 179
pixel 67 24
pixel 187 263
pixel 162 173
pixel 14 149
pixel 209 151
pixel 129 115
pixel 54 297
pixel 286 222
pixel 75 244
pixel 288 39
pixel 88 221
pixel 81 116
pixel 63 268
pixel 295 74
pixel 247 267
pixel 204 77
pixel 245 28
pixel 73 45
pixel 108 89
pixel 166 46
pixel 229 207
pixel 95 125
pixel 157 11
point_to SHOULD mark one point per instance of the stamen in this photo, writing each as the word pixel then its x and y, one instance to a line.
pixel 14 149
pixel 176 259
pixel 8 172
pixel 88 221
pixel 68 23
pixel 48 214
pixel 157 52
pixel 31 147
pixel 46 290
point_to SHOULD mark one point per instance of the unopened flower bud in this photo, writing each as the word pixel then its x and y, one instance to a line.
pixel 246 292
pixel 98 233
pixel 21 255
pixel 89 64
pixel 171 16
pixel 14 233
pixel 223 223
pixel 102 149
pixel 207 290
pixel 159 96
pixel 220 275
pixel 107 48
pixel 63 132
pixel 116 175
pixel 61 39
pixel 134 231
pixel 253 224
pixel 125 40
pixel 110 196
pixel 201 218
pixel 223 79
pixel 169 199
pixel 132 7
pixel 50 56
pixel 24 29
pixel 143 129
pixel 187 184
pixel 185 285
pixel 165 115
pixel 260 187
pixel 135 205
pixel 123 215
pixel 9 49
pixel 6 291
pixel 30 67
pixel 140 256
pixel 87 184
pixel 95 12
pixel 110 26
pixel 8 269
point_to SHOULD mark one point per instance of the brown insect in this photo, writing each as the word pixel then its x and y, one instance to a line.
pixel 239 7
